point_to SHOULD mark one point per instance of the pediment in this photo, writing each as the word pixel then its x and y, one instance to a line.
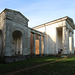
pixel 15 16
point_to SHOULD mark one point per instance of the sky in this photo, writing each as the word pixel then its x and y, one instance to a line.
pixel 41 11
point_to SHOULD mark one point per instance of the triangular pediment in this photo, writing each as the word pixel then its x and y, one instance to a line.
pixel 15 16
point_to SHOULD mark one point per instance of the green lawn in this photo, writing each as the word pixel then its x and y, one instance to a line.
pixel 14 66
pixel 63 67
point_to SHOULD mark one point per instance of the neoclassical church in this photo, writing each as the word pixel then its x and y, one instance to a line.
pixel 19 42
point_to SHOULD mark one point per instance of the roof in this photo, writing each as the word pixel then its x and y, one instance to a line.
pixel 5 10
pixel 68 19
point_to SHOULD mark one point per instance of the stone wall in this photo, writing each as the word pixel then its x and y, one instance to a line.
pixel 53 39
pixel 16 36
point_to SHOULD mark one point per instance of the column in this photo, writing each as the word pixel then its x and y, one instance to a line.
pixel 64 40
pixel 44 45
pixel 34 43
pixel 70 42
pixel 67 41
pixel 40 45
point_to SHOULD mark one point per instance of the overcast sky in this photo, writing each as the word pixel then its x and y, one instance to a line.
pixel 41 11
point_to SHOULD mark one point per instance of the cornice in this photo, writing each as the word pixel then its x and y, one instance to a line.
pixel 69 20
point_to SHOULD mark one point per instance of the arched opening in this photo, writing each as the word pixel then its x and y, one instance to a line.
pixel 1 43
pixel 17 43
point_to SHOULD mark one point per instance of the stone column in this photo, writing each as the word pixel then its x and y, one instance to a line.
pixel 70 42
pixel 34 43
pixel 40 45
pixel 44 45
pixel 64 40
pixel 67 41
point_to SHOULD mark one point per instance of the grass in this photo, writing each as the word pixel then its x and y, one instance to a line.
pixel 14 66
pixel 63 67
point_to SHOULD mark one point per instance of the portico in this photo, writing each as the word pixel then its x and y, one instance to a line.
pixel 59 35
pixel 37 43
pixel 64 43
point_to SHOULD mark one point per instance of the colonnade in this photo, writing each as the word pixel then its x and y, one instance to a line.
pixel 40 44
pixel 67 40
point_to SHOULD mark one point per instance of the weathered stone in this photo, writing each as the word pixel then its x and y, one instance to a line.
pixel 57 39
pixel 19 42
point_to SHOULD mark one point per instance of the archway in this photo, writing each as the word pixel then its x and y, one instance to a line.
pixel 1 43
pixel 17 42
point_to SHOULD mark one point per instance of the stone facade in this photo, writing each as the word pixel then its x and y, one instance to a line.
pixel 59 37
pixel 19 42
pixel 15 36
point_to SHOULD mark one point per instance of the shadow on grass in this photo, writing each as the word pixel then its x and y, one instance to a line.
pixel 14 66
pixel 63 67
